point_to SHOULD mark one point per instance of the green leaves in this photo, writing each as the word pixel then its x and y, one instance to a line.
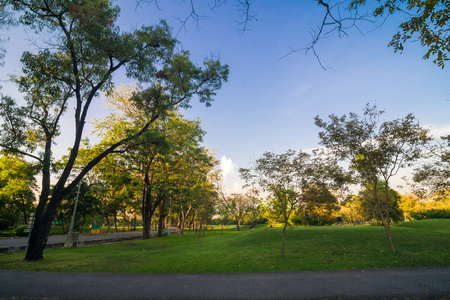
pixel 427 22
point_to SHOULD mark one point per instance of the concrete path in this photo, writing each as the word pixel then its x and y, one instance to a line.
pixel 402 283
pixel 20 243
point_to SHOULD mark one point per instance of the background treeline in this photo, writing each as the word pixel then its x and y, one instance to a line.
pixel 167 178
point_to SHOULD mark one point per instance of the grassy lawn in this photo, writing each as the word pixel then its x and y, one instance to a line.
pixel 420 243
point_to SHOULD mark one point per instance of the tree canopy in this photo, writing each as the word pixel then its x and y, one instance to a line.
pixel 72 67
pixel 376 150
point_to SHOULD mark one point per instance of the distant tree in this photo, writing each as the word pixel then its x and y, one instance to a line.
pixel 376 150
pixel 409 203
pixel 433 178
pixel 76 62
pixel 17 186
pixel 86 207
pixel 352 209
pixel 291 178
pixel 239 205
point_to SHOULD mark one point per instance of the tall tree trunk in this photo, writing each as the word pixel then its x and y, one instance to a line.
pixel 162 216
pixel 183 216
pixel 238 224
pixel 146 208
pixel 39 234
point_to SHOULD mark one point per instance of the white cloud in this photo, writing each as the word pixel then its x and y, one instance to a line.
pixel 227 166
pixel 439 130
pixel 237 187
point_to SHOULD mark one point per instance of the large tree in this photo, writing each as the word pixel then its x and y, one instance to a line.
pixel 376 150
pixel 162 159
pixel 72 66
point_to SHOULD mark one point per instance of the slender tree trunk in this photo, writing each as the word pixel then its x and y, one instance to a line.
pixel 146 208
pixel 162 216
pixel 24 211
pixel 238 223
pixel 200 229
pixel 283 239
pixel 109 224
pixel 385 223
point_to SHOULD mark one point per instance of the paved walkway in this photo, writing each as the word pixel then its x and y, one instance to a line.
pixel 20 243
pixel 402 283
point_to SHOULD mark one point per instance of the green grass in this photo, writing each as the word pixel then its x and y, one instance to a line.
pixel 442 225
pixel 420 243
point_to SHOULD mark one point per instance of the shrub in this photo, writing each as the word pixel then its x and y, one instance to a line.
pixel 7 233
pixel 258 221
pixel 431 214
pixel 4 224
pixel 20 231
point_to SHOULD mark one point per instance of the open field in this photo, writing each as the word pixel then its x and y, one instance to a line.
pixel 420 243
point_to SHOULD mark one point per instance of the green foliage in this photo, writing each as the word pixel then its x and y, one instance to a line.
pixel 300 219
pixel 7 233
pixel 368 205
pixel 433 178
pixel 431 214
pixel 17 183
pixel 376 151
pixel 4 224
pixel 82 48
pixel 427 21
pixel 20 231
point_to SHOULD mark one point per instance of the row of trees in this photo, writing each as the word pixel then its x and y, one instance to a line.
pixel 374 151
pixel 166 173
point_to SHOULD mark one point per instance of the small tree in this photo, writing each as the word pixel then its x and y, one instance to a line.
pixel 238 205
pixel 376 150
pixel 291 178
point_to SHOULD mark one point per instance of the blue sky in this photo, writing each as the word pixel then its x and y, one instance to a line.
pixel 269 103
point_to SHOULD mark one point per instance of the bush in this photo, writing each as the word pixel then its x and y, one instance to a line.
pixel 20 231
pixel 312 221
pixel 4 224
pixel 258 221
pixel 431 214
pixel 7 233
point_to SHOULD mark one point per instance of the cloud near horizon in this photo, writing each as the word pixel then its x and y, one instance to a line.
pixel 227 166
